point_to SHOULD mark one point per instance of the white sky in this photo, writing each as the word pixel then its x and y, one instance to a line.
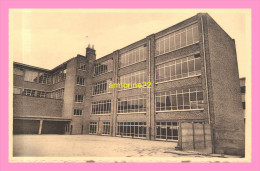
pixel 47 38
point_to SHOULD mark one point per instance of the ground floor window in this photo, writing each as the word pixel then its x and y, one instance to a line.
pixel 93 128
pixel 106 128
pixel 133 129
pixel 167 130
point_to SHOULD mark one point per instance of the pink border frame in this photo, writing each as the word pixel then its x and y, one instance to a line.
pixel 6 4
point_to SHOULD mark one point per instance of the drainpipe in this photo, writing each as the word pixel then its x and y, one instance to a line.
pixel 205 70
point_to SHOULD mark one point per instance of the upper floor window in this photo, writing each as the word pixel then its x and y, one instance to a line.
pixel 59 76
pixel 77 112
pixel 80 81
pixel 78 98
pixel 132 104
pixel 101 107
pixel 56 94
pixel 181 68
pixel 31 76
pixel 190 98
pixel 133 56
pixel 101 87
pixel 103 67
pixel 41 94
pixel 29 92
pixel 135 77
pixel 44 78
pixel 176 40
pixel 82 66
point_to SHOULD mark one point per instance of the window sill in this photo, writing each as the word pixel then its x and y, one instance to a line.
pixel 185 110
pixel 102 74
pixel 131 64
pixel 82 70
pixel 100 114
pixel 101 94
pixel 80 85
pixel 177 79
pixel 38 83
pixel 131 113
pixel 177 49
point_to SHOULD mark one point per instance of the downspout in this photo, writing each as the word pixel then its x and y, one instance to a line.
pixel 149 90
pixel 205 70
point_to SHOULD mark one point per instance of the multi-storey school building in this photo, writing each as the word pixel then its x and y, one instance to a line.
pixel 191 69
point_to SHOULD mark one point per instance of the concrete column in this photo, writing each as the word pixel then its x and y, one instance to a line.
pixel 115 93
pixel 40 127
pixel 151 78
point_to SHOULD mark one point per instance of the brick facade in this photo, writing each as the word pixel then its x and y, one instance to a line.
pixel 218 79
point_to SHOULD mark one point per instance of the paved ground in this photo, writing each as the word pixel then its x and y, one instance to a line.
pixel 95 146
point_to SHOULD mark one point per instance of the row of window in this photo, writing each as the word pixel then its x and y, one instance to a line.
pixel 57 94
pixel 177 40
pixel 101 87
pixel 37 77
pixel 181 68
pixel 59 76
pixel 164 130
pixel 103 67
pixel 132 104
pixel 101 107
pixel 191 98
pixel 134 77
pixel 167 130
pixel 133 129
pixel 133 56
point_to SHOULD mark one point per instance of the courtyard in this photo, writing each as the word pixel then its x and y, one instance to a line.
pixel 96 146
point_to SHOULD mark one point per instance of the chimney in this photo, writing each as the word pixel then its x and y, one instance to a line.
pixel 90 53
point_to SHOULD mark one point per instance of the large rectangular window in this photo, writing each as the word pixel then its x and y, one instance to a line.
pixel 181 68
pixel 56 94
pixel 131 129
pixel 29 92
pixel 133 56
pixel 190 98
pixel 93 128
pixel 44 78
pixel 132 104
pixel 31 76
pixel 101 107
pixel 59 76
pixel 177 40
pixel 101 87
pixel 167 131
pixel 134 77
pixel 103 67
pixel 106 128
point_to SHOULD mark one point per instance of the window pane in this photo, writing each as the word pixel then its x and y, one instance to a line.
pixel 189 37
pixel 195 34
pixel 180 102
pixel 177 41
pixel 172 44
pixel 183 39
